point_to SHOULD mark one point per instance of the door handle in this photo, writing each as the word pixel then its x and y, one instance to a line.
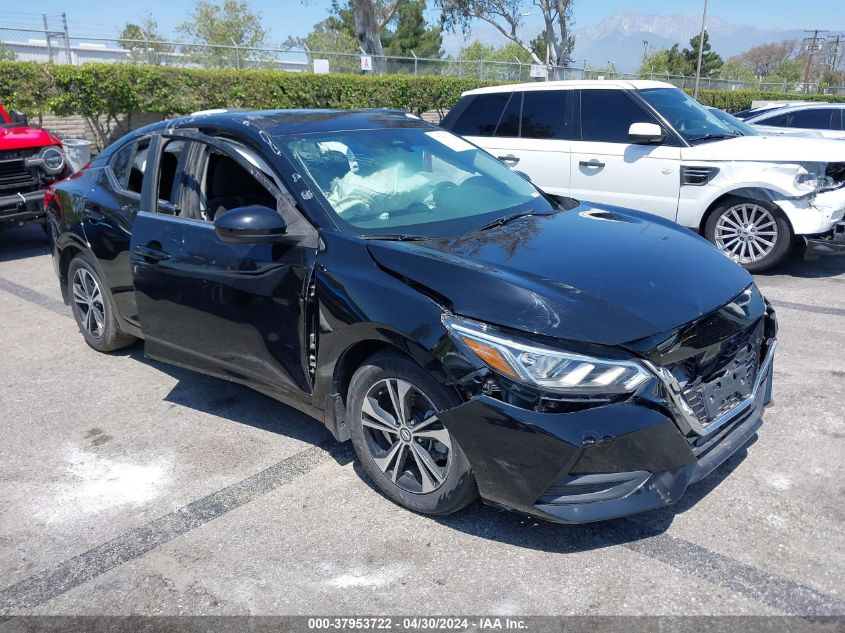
pixel 93 213
pixel 510 160
pixel 591 163
pixel 151 254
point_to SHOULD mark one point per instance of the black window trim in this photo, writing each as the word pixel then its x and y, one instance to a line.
pixel 668 128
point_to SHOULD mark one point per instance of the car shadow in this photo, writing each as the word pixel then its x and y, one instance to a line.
pixel 527 532
pixel 803 267
pixel 22 242
pixel 230 402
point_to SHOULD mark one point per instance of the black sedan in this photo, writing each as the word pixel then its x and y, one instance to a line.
pixel 468 333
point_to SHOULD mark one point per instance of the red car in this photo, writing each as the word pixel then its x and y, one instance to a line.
pixel 30 159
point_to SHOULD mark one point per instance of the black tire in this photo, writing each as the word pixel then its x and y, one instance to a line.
pixel 782 241
pixel 458 488
pixel 108 337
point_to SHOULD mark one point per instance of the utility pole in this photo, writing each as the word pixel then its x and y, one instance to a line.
pixel 700 49
pixel 811 45
pixel 67 38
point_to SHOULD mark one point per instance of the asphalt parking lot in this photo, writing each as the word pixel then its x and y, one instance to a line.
pixel 131 487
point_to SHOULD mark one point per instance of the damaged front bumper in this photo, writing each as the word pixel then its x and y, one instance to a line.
pixel 601 463
pixel 829 243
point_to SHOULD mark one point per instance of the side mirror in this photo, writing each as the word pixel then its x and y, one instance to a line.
pixel 250 225
pixel 645 133
pixel 18 117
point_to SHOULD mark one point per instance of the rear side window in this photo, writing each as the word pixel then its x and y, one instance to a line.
pixel 481 115
pixel 813 118
pixel 138 166
pixel 606 115
pixel 119 163
pixel 544 114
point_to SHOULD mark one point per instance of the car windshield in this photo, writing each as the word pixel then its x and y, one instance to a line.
pixel 689 118
pixel 411 181
pixel 735 124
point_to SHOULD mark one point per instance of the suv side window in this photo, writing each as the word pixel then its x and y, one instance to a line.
pixel 119 163
pixel 481 115
pixel 606 115
pixel 509 122
pixel 545 114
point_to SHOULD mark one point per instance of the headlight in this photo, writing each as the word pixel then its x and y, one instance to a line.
pixel 812 180
pixel 52 159
pixel 547 369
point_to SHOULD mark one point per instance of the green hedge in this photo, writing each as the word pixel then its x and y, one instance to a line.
pixel 119 89
pixel 116 89
pixel 733 100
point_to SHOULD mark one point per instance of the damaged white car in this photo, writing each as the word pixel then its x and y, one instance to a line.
pixel 649 146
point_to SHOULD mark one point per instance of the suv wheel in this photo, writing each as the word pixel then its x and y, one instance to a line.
pixel 93 308
pixel 403 447
pixel 753 233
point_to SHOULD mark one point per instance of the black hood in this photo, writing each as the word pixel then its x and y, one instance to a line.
pixel 595 274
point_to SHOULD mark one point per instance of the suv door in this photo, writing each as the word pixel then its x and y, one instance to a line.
pixel 608 168
pixel 530 131
pixel 237 311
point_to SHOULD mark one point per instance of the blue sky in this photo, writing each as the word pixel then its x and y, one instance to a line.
pixel 294 17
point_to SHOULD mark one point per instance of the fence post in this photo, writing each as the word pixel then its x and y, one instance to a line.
pixel 415 61
pixel 47 37
pixel 146 48
pixel 67 38
pixel 237 53
pixel 481 68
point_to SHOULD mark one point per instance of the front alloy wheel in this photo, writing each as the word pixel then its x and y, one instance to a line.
pixel 755 234
pixel 405 438
pixel 392 408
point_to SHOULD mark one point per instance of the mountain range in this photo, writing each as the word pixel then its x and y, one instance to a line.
pixel 619 38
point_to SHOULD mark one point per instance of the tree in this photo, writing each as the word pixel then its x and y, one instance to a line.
pixel 507 17
pixel 230 24
pixel 411 33
pixel 734 70
pixel 665 60
pixel 762 60
pixel 493 63
pixel 540 48
pixel 405 31
pixel 144 42
pixel 711 61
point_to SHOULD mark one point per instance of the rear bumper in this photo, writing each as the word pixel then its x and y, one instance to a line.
pixel 602 463
pixel 22 207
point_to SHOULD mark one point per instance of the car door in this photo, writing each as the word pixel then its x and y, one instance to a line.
pixel 233 310
pixel 608 168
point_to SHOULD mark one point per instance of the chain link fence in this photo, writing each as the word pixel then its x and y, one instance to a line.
pixel 61 47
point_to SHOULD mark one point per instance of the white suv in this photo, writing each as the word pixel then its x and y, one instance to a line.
pixel 649 146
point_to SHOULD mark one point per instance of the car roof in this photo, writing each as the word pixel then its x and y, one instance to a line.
pixel 284 122
pixel 573 84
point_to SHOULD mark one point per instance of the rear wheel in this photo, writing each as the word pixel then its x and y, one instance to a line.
pixel 753 233
pixel 401 443
pixel 93 308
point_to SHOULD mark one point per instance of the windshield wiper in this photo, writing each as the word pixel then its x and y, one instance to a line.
pixel 710 137
pixel 508 218
pixel 395 237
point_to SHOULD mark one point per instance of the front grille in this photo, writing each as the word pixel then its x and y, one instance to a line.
pixel 14 175
pixel 718 379
pixel 836 171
